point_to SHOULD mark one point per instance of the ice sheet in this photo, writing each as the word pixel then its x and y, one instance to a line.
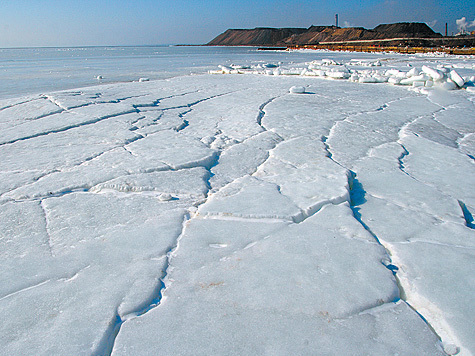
pixel 300 278
pixel 223 214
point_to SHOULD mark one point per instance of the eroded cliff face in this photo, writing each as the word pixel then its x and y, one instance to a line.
pixel 320 34
pixel 330 34
pixel 255 37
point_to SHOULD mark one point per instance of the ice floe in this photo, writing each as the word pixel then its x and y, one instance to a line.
pixel 225 214
pixel 443 77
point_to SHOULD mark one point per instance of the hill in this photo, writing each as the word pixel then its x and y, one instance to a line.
pixel 320 34
pixel 260 36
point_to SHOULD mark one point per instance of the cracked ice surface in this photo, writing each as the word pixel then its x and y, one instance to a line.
pixel 223 215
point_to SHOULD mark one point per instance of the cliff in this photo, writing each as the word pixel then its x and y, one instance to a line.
pixel 320 34
pixel 260 36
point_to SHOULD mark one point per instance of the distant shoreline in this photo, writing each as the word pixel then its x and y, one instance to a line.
pixel 403 34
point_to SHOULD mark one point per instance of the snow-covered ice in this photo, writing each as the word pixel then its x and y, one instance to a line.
pixel 276 209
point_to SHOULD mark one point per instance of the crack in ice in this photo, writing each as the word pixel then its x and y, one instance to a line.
pixel 69 127
pixel 19 103
pixel 156 102
pixel 400 160
pixel 357 194
pixel 39 284
pixel 262 112
pixel 467 215
pixel 66 278
pixel 106 345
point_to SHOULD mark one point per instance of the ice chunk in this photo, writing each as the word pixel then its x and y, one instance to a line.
pixel 394 80
pixel 225 69
pixel 413 72
pixel 297 90
pixel 414 78
pixel 329 61
pixel 451 349
pixel 447 85
pixel 395 73
pixel 165 197
pixel 240 66
pixel 433 73
pixel 338 74
pixel 368 79
pixel 457 79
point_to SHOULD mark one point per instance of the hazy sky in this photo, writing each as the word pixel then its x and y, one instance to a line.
pixel 148 22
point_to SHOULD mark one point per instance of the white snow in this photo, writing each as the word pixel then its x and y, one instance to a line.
pixel 225 215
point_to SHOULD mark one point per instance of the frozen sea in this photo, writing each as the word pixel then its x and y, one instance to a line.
pixel 225 201
pixel 35 70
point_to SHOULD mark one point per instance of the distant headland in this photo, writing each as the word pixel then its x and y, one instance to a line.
pixel 406 34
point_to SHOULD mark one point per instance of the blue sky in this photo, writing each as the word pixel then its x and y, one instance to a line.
pixel 148 22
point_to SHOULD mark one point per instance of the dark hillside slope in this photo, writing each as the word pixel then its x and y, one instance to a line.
pixel 256 37
pixel 405 30
pixel 320 34
pixel 331 34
